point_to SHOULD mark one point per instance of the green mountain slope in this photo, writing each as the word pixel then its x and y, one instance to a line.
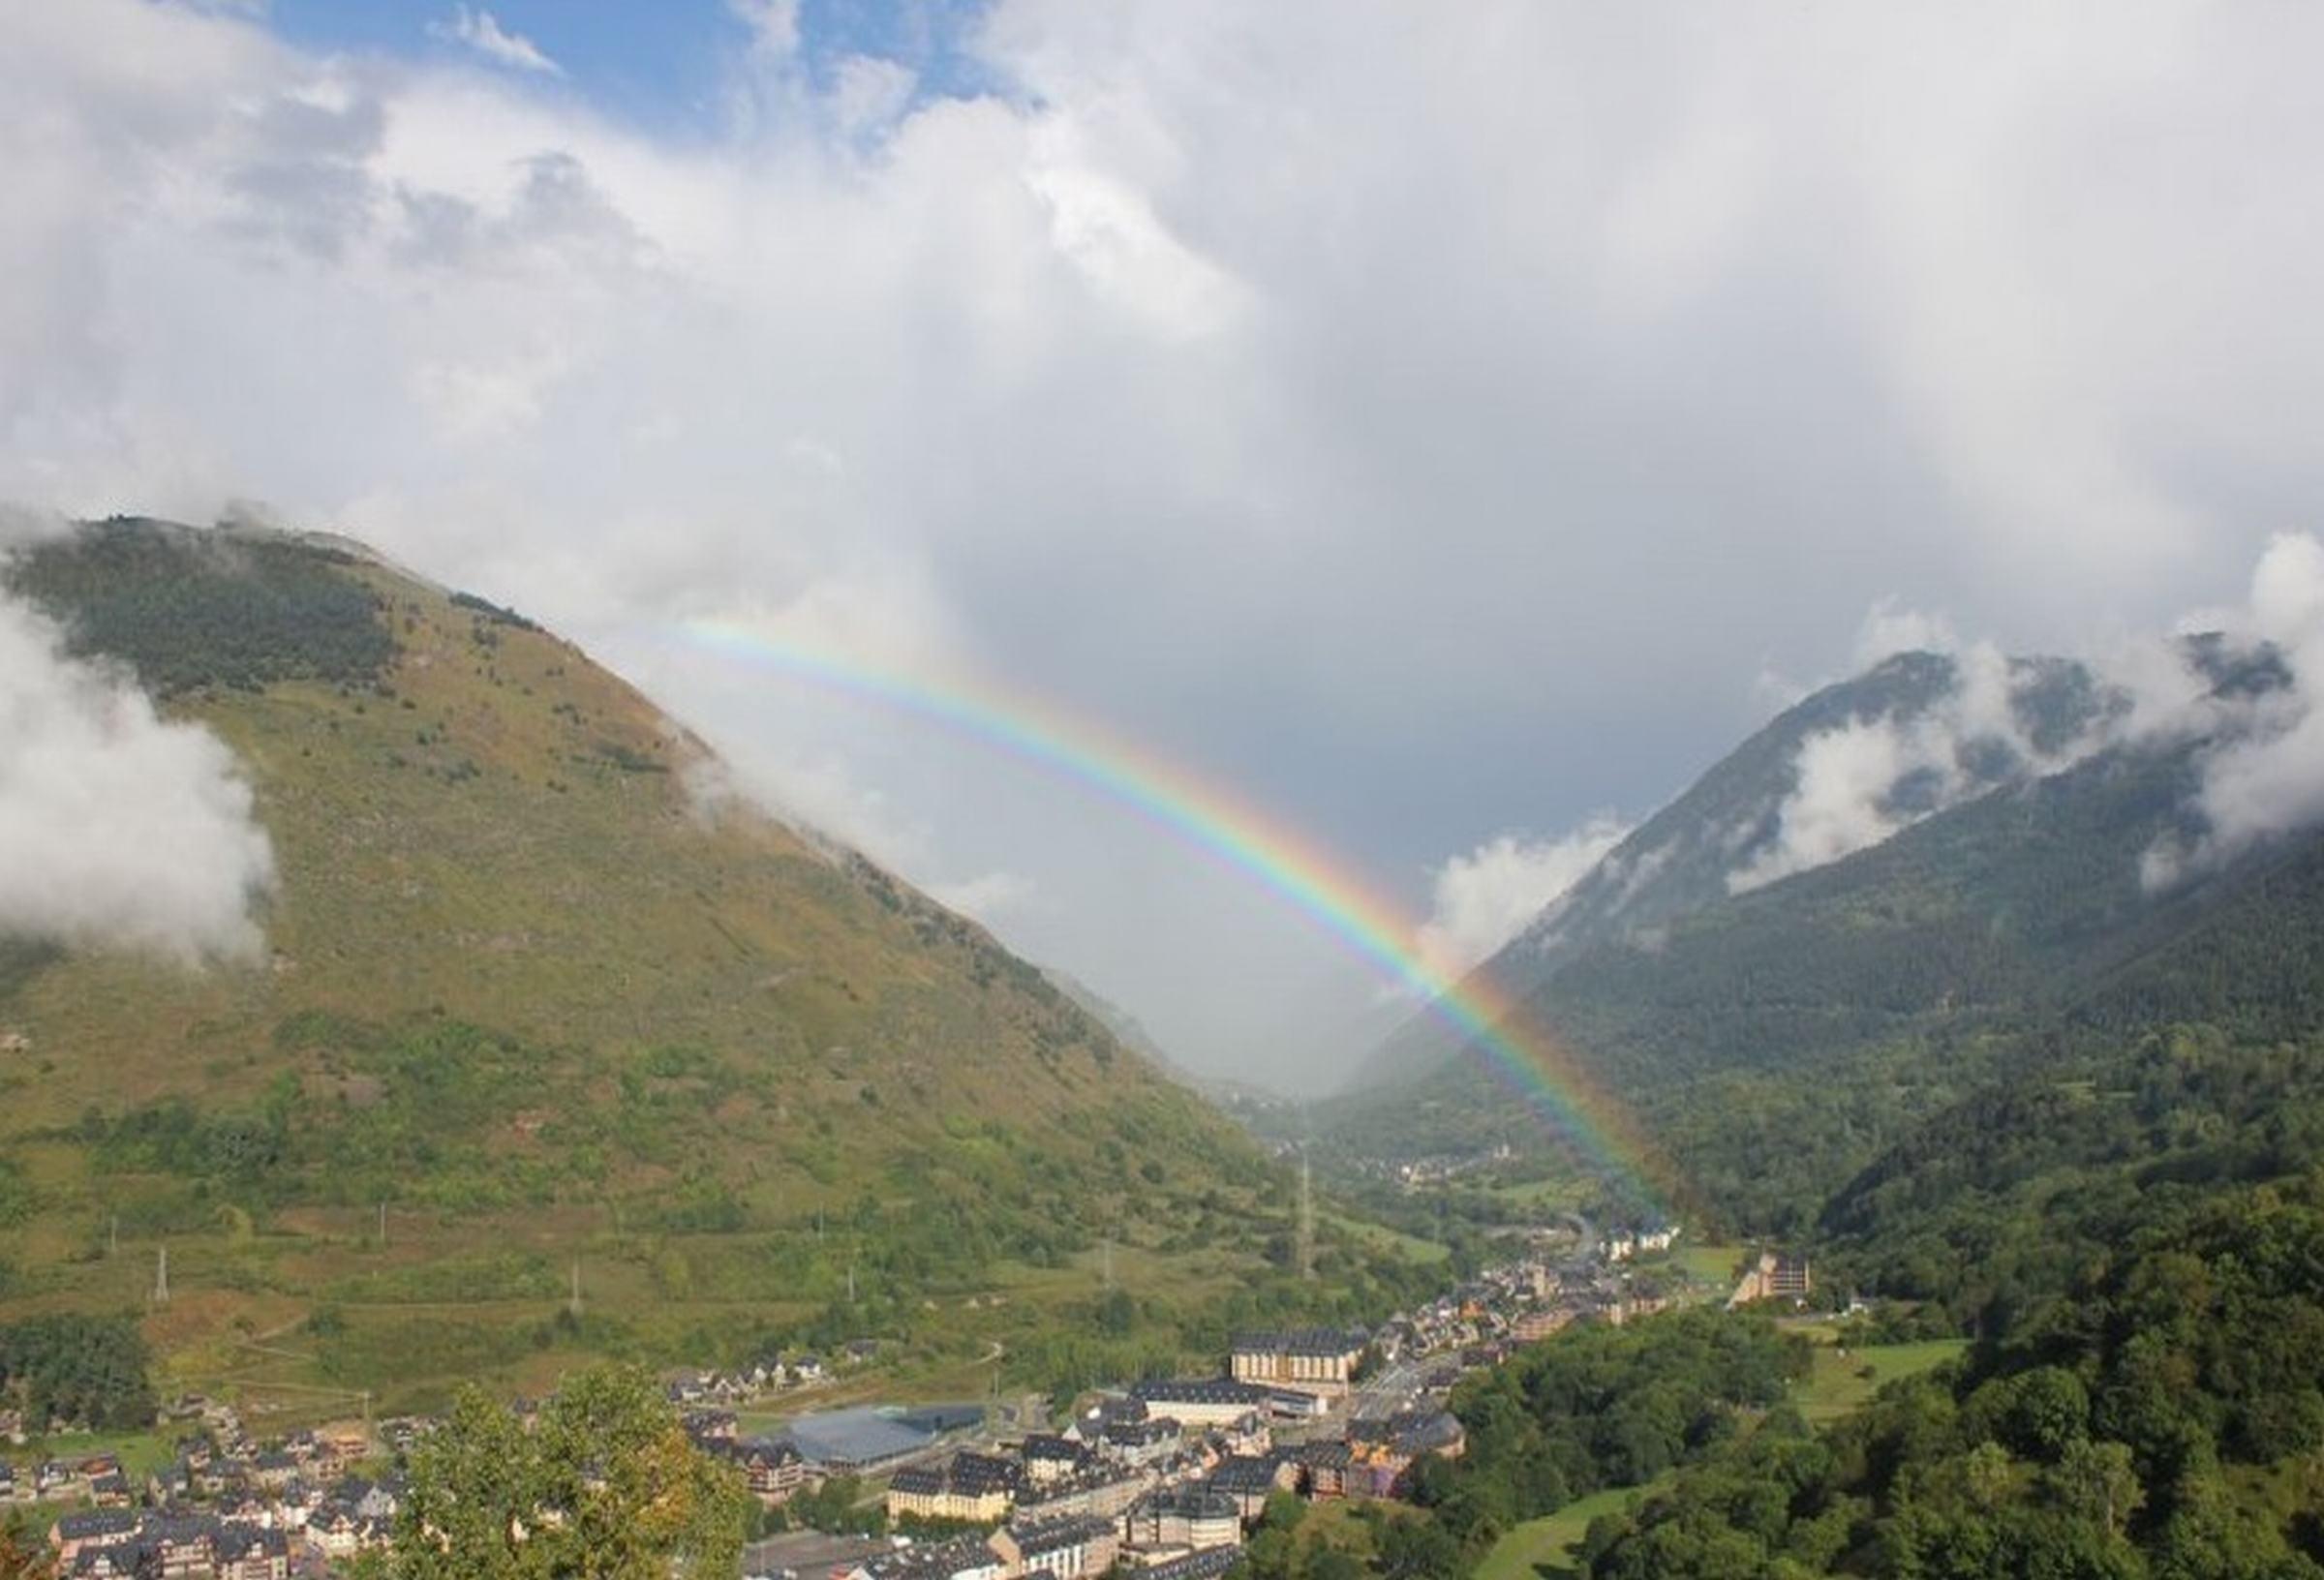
pixel 535 998
pixel 1777 1039
pixel 2133 1232
pixel 1680 861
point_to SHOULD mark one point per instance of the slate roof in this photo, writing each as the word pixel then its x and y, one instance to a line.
pixel 97 1523
pixel 1052 1535
pixel 1240 1474
pixel 854 1437
pixel 1322 1343
pixel 1205 1565
pixel 1202 1391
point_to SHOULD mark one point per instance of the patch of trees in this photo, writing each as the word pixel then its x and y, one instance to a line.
pixel 188 609
pixel 604 1486
pixel 1998 1202
pixel 1595 1407
pixel 837 1505
pixel 629 760
pixel 174 1137
pixel 425 1127
pixel 1274 1551
pixel 2161 1418
pixel 89 1370
pixel 484 609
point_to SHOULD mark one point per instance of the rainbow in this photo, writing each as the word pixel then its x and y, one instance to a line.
pixel 1247 840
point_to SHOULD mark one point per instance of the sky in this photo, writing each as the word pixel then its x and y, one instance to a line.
pixel 1445 427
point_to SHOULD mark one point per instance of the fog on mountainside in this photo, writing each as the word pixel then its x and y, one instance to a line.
pixel 1921 732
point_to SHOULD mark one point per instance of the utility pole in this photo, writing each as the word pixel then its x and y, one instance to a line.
pixel 574 1305
pixel 160 1278
pixel 112 1237
pixel 382 1223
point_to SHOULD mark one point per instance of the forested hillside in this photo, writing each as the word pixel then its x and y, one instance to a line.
pixel 2158 1416
pixel 2133 1238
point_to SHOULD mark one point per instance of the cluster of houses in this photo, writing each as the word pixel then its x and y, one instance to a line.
pixel 769 1375
pixel 1436 1171
pixel 1167 1476
pixel 1623 1245
pixel 226 1508
pixel 115 1545
pixel 1522 1302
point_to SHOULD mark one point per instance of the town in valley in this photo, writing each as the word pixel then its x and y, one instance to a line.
pixel 1162 1475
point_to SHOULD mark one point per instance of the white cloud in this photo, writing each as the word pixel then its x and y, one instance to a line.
pixel 2265 775
pixel 117 829
pixel 2261 757
pixel 988 897
pixel 1863 782
pixel 1217 343
pixel 1484 898
pixel 822 796
pixel 868 94
pixel 482 31
pixel 773 26
pixel 1889 628
pixel 1841 799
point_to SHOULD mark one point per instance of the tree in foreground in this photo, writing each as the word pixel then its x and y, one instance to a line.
pixel 604 1486
pixel 21 1557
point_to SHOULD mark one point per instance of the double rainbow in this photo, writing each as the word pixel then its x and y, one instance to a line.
pixel 1246 839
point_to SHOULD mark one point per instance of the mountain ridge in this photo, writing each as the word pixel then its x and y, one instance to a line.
pixel 1900 971
pixel 1684 856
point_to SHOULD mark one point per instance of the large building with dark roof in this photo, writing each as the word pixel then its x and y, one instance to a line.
pixel 1191 1516
pixel 1312 1359
pixel 1251 1479
pixel 976 1487
pixel 1207 1564
pixel 1067 1549
pixel 853 1441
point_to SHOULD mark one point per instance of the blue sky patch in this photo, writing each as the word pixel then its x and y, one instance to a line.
pixel 663 64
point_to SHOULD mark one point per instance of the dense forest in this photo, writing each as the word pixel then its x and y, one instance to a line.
pixel 1994 1204
pixel 1605 1407
pixel 189 610
pixel 2162 1417
pixel 1779 1047
pixel 2135 1240
pixel 80 1371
